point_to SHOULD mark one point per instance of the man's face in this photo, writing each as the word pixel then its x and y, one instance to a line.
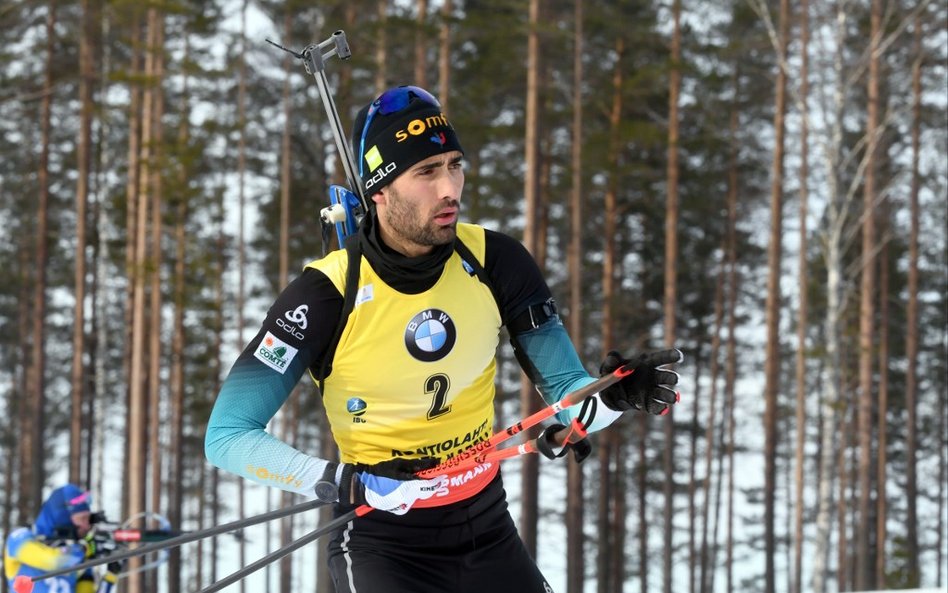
pixel 82 522
pixel 420 209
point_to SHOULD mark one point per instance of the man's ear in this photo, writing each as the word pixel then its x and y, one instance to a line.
pixel 379 197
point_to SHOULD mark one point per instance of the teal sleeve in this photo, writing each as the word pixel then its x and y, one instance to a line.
pixel 236 438
pixel 552 362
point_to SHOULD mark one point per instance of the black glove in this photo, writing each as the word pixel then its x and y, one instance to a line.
pixel 648 388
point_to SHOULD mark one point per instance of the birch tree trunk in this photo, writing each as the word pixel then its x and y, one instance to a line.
pixel 832 246
pixel 803 313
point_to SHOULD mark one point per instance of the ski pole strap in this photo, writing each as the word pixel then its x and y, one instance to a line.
pixel 573 440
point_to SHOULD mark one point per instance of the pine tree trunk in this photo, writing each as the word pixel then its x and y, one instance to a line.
pixel 878 582
pixel 772 356
pixel 843 566
pixel 286 524
pixel 575 532
pixel 444 54
pixel 421 45
pixel 132 200
pixel 138 395
pixel 730 374
pixel 940 504
pixel 32 472
pixel 20 406
pixel 912 326
pixel 529 402
pixel 710 444
pixel 670 293
pixel 607 529
pixel 154 280
pixel 216 374
pixel 619 506
pixel 83 161
pixel 178 335
pixel 867 310
pixel 380 47
pixel 286 155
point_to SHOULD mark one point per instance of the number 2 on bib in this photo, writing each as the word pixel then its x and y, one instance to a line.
pixel 437 386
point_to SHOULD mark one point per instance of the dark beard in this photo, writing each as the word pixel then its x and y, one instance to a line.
pixel 402 218
pixel 408 275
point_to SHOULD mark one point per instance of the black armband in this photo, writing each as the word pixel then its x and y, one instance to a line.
pixel 533 317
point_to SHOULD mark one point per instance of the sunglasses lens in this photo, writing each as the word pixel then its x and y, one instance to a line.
pixel 392 101
pixel 397 99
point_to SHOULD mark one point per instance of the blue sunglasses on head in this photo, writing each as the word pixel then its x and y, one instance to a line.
pixel 391 101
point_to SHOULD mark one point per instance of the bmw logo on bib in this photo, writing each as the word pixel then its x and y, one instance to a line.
pixel 430 335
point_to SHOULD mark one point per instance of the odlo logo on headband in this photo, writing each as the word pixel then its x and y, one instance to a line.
pixel 417 127
pixel 430 335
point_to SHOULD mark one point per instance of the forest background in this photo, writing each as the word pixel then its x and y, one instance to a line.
pixel 758 182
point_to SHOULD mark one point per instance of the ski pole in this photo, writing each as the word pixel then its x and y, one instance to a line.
pixel 484 452
pixel 186 538
pixel 289 549
pixel 529 447
pixel 475 454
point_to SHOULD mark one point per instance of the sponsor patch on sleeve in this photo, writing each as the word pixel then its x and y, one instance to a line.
pixel 275 353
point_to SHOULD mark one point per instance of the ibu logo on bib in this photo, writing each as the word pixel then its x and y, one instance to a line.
pixel 430 335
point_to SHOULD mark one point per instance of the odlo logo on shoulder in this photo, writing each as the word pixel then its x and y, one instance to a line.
pixel 275 353
pixel 430 335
